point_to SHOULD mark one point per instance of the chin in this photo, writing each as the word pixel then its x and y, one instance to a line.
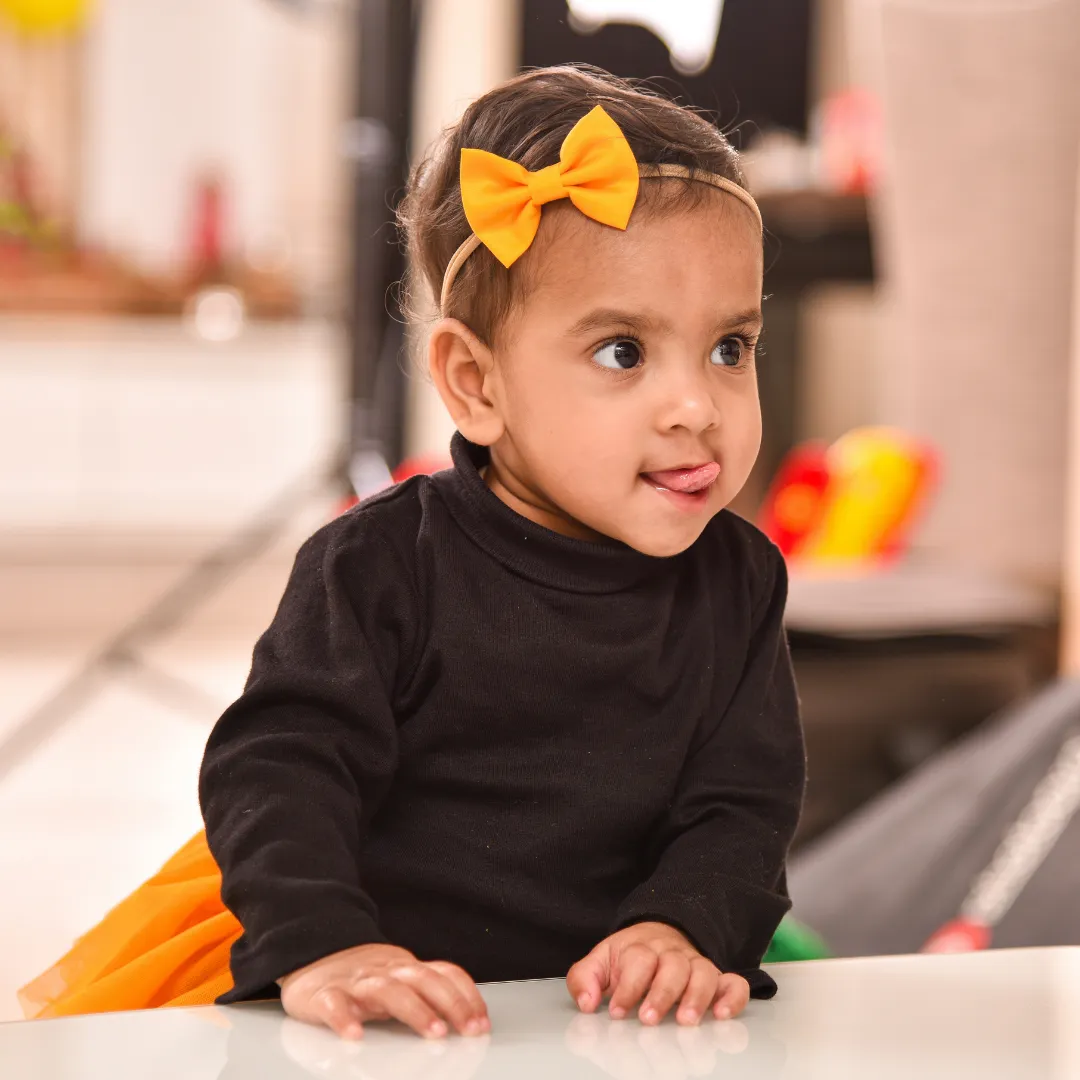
pixel 663 545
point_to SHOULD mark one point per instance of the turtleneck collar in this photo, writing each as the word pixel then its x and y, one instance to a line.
pixel 529 549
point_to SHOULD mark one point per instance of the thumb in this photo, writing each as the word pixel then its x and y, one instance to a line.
pixel 589 978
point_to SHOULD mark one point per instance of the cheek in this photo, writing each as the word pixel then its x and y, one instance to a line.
pixel 582 455
pixel 546 418
pixel 534 387
pixel 742 431
pixel 575 437
pixel 553 406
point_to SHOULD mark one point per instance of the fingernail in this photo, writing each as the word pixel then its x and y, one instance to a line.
pixel 354 1031
pixel 473 1027
pixel 485 1023
pixel 584 1002
pixel 649 1016
pixel 617 1012
pixel 438 1029
pixel 688 1016
pixel 723 1013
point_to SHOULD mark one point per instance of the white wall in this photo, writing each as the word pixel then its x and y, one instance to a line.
pixel 1070 601
pixel 976 222
pixel 174 88
pixel 466 47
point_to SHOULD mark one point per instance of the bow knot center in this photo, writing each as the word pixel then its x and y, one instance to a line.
pixel 545 185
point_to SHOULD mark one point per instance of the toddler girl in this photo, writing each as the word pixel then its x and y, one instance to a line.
pixel 533 716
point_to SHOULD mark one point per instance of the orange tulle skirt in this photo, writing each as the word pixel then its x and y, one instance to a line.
pixel 167 944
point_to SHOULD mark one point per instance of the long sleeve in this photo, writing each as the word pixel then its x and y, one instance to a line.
pixel 295 769
pixel 720 873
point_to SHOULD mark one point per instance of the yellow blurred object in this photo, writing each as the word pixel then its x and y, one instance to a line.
pixel 44 16
pixel 877 476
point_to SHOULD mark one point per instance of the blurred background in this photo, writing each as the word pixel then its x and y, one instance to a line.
pixel 202 360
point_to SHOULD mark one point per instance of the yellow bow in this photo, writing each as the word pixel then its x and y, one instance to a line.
pixel 596 170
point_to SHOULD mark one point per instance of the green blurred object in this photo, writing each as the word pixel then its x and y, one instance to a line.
pixel 793 941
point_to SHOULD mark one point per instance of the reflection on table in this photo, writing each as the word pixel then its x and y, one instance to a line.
pixel 996 1016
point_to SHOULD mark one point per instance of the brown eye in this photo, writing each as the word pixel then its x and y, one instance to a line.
pixel 621 355
pixel 728 353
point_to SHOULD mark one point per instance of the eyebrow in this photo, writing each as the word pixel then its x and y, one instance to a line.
pixel 604 318
pixel 751 319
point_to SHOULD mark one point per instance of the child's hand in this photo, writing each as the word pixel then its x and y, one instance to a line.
pixel 383 982
pixel 655 961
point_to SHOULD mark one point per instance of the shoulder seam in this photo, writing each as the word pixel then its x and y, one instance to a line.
pixel 363 520
pixel 407 573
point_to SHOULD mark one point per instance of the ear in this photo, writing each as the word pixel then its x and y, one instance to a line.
pixel 463 370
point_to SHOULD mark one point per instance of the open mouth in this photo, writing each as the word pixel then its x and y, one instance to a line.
pixel 688 486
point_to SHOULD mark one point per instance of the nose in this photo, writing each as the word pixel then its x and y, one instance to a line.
pixel 688 401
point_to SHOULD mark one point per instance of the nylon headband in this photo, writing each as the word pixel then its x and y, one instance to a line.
pixel 647 172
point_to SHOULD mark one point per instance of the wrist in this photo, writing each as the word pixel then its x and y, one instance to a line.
pixel 359 952
pixel 659 926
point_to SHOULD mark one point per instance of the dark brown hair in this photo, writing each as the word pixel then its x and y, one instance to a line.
pixel 526 120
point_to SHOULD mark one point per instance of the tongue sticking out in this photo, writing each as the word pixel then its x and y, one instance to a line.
pixel 687 481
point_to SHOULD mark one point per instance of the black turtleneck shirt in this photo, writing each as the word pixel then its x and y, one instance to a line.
pixel 494 745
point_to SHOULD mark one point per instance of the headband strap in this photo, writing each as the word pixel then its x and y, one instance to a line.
pixel 646 172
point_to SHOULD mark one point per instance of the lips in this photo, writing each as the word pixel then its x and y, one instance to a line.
pixel 687 481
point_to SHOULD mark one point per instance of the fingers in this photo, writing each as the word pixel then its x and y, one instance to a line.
pixel 437 991
pixel 733 992
pixel 665 974
pixel 668 984
pixel 384 998
pixel 476 1021
pixel 378 982
pixel 588 979
pixel 637 965
pixel 337 1010
pixel 701 991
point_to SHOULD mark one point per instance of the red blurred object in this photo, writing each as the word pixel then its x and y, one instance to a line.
pixel 208 231
pixel 851 139
pixel 959 936
pixel 796 501
pixel 423 465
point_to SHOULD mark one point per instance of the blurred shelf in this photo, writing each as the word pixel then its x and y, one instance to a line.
pixel 821 237
pixel 896 664
pixel 69 282
pixel 812 238
pixel 914 599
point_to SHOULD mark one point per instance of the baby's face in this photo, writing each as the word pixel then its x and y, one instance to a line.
pixel 626 382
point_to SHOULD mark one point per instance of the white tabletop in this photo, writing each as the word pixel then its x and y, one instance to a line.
pixel 991 1016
